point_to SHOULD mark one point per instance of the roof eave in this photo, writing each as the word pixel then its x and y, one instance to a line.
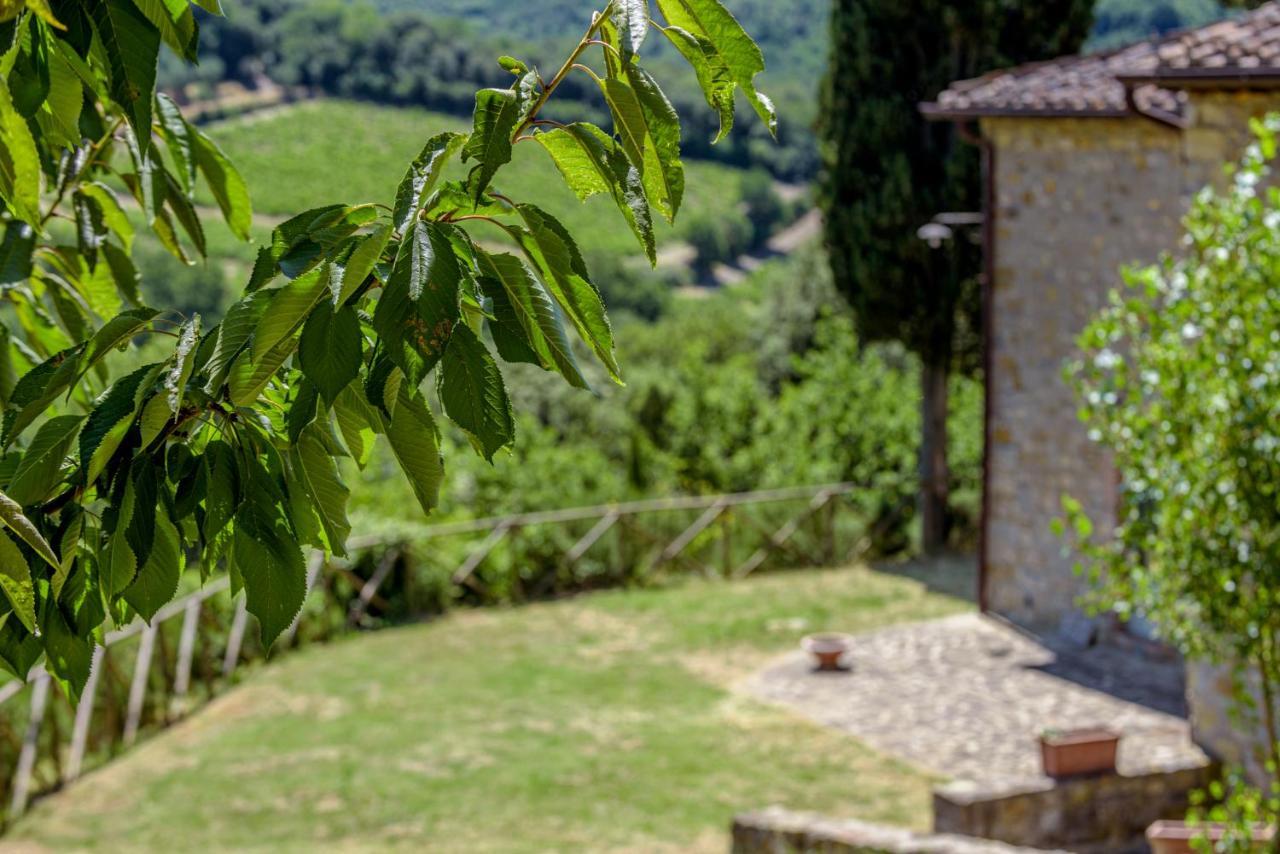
pixel 936 112
pixel 1206 78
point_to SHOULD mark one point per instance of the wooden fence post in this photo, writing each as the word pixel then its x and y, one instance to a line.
pixel 30 743
pixel 84 717
pixel 138 687
pixel 235 638
pixel 186 652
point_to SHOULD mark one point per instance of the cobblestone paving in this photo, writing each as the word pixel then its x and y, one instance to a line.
pixel 966 698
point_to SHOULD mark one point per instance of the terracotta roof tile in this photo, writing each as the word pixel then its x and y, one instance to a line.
pixel 1095 84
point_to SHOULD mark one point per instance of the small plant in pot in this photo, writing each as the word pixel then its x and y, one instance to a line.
pixel 1076 753
pixel 828 650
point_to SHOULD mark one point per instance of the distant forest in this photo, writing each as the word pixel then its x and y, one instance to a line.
pixel 434 53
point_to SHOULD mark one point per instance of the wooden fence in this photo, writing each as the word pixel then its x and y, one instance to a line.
pixel 147 676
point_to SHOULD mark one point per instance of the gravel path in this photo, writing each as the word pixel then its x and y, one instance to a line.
pixel 966 698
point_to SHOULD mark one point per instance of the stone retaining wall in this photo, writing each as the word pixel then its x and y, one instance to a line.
pixel 779 831
pixel 1108 813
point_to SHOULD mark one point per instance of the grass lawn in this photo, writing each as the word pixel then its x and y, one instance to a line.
pixel 606 722
pixel 320 152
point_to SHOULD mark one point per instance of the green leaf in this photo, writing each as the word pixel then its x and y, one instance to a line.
pixel 713 75
pixel 156 580
pixel 576 165
pixel 175 381
pixel 19 162
pixel 663 171
pixel 233 335
pixel 123 273
pixel 176 24
pixel 116 332
pixel 359 424
pixel 29 76
pixel 223 496
pixel 59 115
pixel 413 339
pixel 302 411
pixel 331 350
pixel 415 441
pixel 361 263
pixel 38 388
pixel 112 214
pixel 225 182
pixel 270 561
pixel 496 115
pixel 133 51
pixel 631 17
pixel 720 34
pixel 15 580
pixel 474 394
pixel 16 250
pixel 156 415
pixel 184 211
pixel 290 306
pixel 19 649
pixel 565 275
pixel 248 377
pixel 536 314
pixel 323 484
pixel 12 517
pixel 41 465
pixel 579 150
pixel 110 419
pixel 68 654
pixel 422 176
pixel 177 136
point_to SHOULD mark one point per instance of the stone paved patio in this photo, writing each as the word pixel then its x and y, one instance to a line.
pixel 967 697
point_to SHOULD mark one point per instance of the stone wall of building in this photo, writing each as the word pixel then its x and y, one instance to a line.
pixel 1077 199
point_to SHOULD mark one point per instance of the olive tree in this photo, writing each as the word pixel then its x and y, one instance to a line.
pixel 226 448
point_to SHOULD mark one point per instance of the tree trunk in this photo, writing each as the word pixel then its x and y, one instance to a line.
pixel 934 475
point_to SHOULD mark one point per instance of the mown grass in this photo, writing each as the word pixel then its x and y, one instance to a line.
pixel 607 722
pixel 321 152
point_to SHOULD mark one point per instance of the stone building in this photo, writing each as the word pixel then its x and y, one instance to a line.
pixel 1090 162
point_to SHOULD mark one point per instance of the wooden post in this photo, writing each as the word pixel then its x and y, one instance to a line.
pixel 370 588
pixel 30 743
pixel 726 546
pixel 84 717
pixel 831 547
pixel 138 687
pixel 186 652
pixel 235 638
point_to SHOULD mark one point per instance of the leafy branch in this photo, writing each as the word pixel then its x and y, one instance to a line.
pixel 227 449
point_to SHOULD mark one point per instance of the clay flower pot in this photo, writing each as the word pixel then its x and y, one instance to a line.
pixel 828 650
pixel 1079 752
pixel 1174 837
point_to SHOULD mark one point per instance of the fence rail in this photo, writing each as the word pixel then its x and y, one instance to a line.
pixel 212 628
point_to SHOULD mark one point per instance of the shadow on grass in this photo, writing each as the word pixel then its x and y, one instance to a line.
pixel 954 575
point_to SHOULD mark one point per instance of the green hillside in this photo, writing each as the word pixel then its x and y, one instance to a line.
pixel 321 152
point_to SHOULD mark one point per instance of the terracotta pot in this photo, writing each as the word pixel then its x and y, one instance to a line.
pixel 1174 837
pixel 1080 752
pixel 828 650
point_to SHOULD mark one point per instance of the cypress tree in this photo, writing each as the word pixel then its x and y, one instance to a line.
pixel 888 172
